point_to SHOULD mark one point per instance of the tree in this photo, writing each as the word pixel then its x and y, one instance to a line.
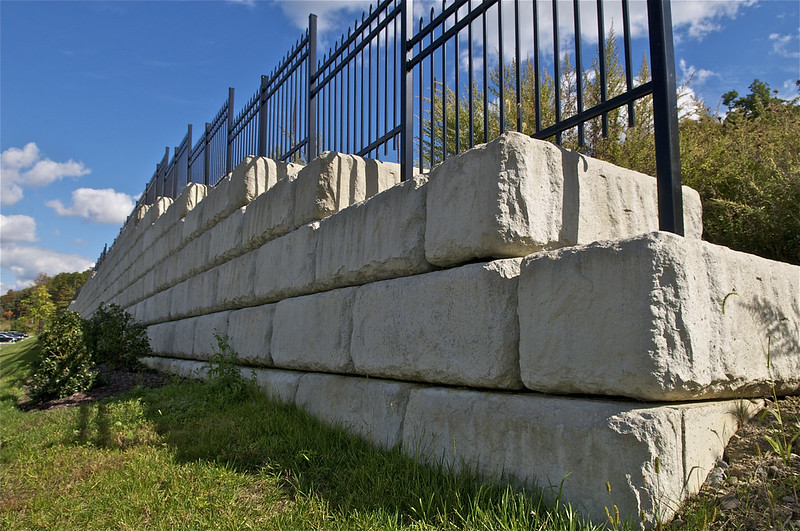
pixel 39 307
pixel 752 105
pixel 746 168
pixel 64 287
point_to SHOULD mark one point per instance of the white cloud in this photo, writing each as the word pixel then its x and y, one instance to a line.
pixel 331 14
pixel 25 168
pixel 702 18
pixel 101 206
pixel 691 75
pixel 781 44
pixel 26 262
pixel 17 228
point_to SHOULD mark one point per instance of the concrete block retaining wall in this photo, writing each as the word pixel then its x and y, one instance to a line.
pixel 446 314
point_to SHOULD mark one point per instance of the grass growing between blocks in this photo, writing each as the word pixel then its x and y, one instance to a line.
pixel 188 456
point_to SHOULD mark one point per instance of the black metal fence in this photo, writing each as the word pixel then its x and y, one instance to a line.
pixel 420 91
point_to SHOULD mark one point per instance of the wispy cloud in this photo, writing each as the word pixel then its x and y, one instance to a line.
pixel 25 167
pixel 101 206
pixel 695 76
pixel 782 45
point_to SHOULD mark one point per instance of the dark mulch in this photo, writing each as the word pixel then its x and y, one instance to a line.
pixel 110 382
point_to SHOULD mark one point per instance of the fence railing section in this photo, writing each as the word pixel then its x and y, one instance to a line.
pixel 356 86
pixel 421 90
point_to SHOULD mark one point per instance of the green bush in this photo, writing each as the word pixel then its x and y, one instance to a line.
pixel 66 365
pixel 114 337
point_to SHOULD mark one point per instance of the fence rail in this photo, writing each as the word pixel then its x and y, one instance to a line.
pixel 420 91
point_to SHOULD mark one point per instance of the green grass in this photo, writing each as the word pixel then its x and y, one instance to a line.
pixel 184 456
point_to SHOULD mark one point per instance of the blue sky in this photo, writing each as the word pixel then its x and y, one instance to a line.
pixel 91 93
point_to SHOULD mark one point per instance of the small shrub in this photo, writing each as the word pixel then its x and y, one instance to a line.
pixel 66 365
pixel 113 336
pixel 224 376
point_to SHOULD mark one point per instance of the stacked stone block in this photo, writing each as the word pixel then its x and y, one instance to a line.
pixel 458 315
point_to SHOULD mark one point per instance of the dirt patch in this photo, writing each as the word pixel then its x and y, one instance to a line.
pixel 110 382
pixel 753 488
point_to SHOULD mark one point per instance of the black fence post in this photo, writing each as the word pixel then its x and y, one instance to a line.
pixel 229 140
pixel 161 189
pixel 261 150
pixel 313 147
pixel 206 154
pixel 665 117
pixel 406 92
pixel 189 155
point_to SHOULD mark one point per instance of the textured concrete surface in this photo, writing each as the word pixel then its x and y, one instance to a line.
pixel 372 409
pixel 250 334
pixel 516 195
pixel 374 240
pixel 456 327
pixel 576 445
pixel 313 332
pixel 644 318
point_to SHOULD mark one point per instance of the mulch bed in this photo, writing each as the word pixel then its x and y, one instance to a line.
pixel 110 382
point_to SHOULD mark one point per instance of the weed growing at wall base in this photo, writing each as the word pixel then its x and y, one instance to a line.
pixel 224 375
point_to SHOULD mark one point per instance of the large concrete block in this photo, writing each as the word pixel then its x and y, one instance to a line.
pixel 605 202
pixel 456 327
pixel 371 409
pixel 195 219
pixel 313 332
pixel 574 445
pixel 155 211
pixel 180 300
pixel 250 334
pixel 161 337
pixel 139 213
pixel 284 267
pixel 189 198
pixel 659 317
pixel 277 385
pixel 193 258
pixel 203 294
pixel 184 333
pixel 235 190
pixel 235 282
pixel 270 215
pixel 383 237
pixel 172 239
pixel 516 195
pixel 334 181
pixel 206 329
pixel 225 238
pixel 195 370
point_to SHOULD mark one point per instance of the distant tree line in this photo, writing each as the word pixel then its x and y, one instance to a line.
pixel 29 309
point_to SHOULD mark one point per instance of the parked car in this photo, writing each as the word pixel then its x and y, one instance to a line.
pixel 6 337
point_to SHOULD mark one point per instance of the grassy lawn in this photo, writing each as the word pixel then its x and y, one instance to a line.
pixel 187 456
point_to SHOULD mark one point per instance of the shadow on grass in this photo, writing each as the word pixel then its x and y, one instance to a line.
pixel 252 435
